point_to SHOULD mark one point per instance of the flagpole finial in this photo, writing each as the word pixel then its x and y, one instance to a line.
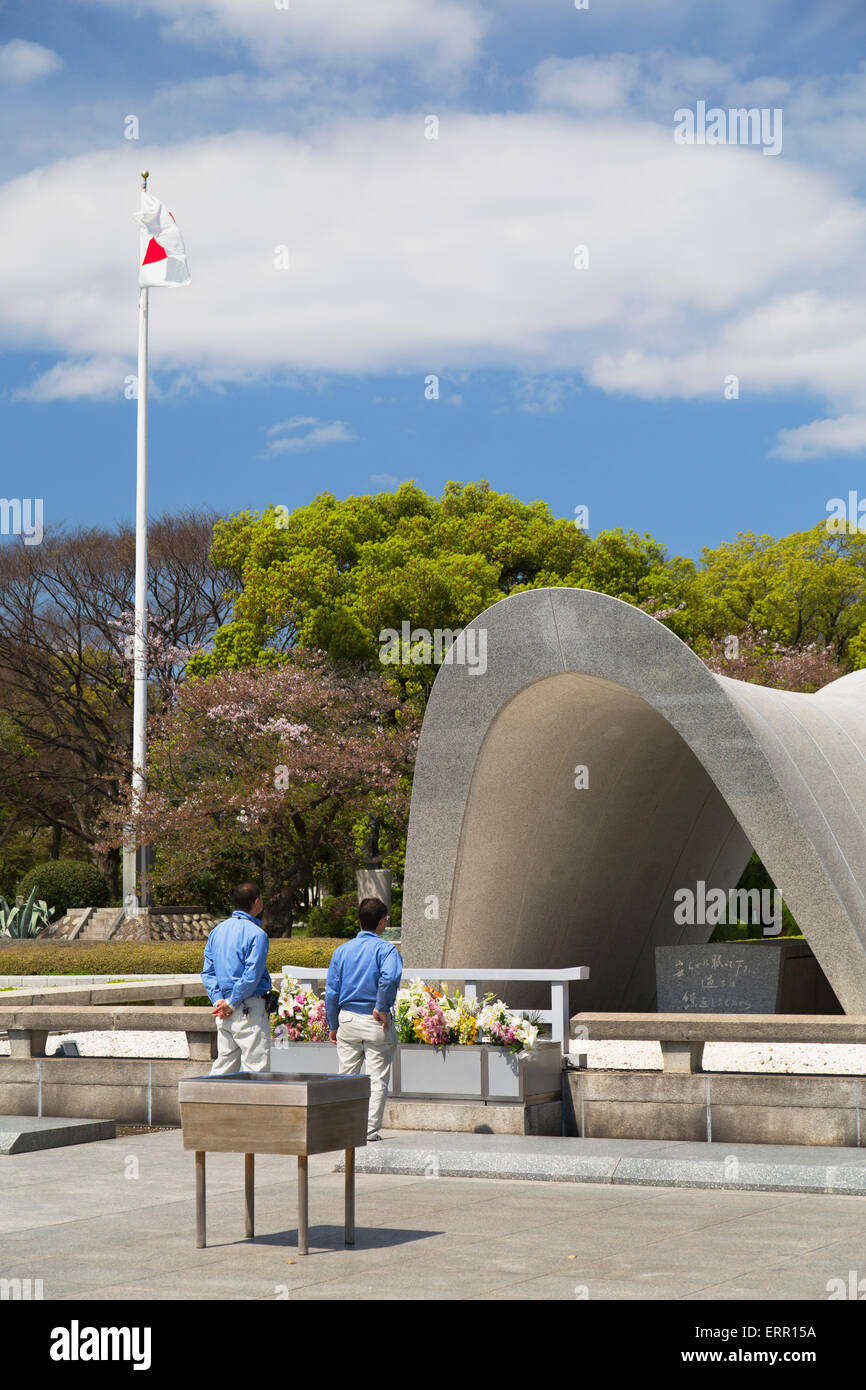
pixel 145 175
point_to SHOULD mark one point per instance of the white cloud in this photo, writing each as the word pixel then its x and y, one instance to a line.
pixel 441 33
pixel 384 481
pixel 335 432
pixel 703 261
pixel 844 435
pixel 656 80
pixel 543 395
pixel 295 423
pixel 98 378
pixel 22 61
pixel 807 342
pixel 585 84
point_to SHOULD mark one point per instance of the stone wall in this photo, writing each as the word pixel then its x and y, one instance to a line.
pixel 717 1107
pixel 726 1109
pixel 63 928
pixel 154 924
pixel 167 924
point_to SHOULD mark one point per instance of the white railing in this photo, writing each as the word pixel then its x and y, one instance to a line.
pixel 558 1015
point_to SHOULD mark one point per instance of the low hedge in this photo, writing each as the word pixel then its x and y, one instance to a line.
pixel 144 957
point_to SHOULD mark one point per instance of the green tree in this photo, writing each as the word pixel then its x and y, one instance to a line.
pixel 334 574
pixel 803 589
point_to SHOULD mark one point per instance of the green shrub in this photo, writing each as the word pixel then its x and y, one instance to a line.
pixel 755 876
pixel 143 957
pixel 66 883
pixel 396 910
pixel 335 917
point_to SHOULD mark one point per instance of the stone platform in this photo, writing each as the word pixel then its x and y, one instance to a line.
pixel 26 1133
pixel 645 1163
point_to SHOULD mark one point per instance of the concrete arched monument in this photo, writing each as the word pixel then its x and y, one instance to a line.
pixel 590 766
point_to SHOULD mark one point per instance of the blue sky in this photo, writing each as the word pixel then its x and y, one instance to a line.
pixel 306 128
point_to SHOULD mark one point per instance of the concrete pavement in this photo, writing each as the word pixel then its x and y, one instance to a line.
pixel 115 1220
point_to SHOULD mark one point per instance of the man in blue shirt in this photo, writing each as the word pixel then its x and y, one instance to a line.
pixel 236 978
pixel 363 979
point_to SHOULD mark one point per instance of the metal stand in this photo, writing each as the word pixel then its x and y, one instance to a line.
pixel 303 1206
pixel 350 1197
pixel 200 1239
pixel 249 1195
pixel 250 1199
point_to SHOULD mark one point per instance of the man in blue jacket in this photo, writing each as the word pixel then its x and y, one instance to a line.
pixel 363 979
pixel 236 978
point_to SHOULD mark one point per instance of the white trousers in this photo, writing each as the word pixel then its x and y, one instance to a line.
pixel 243 1040
pixel 360 1039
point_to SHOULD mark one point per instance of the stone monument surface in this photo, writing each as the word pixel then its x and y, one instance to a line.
pixel 595 766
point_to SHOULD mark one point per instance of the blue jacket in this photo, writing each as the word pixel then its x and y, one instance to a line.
pixel 235 959
pixel 364 975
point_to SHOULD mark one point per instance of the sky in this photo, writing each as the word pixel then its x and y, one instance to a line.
pixel 430 239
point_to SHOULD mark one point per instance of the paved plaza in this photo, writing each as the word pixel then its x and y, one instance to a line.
pixel 115 1220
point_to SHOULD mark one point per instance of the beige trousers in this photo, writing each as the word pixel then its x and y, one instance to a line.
pixel 360 1039
pixel 243 1040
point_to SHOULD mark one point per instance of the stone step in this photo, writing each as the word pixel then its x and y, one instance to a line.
pixel 25 1133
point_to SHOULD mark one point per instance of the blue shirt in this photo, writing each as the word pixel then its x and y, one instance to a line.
pixel 364 975
pixel 235 959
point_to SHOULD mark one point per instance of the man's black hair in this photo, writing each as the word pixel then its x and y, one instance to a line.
pixel 245 895
pixel 371 912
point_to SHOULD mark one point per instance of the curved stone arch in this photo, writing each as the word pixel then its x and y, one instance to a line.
pixel 509 863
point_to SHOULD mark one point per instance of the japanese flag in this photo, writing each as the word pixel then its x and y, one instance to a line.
pixel 163 252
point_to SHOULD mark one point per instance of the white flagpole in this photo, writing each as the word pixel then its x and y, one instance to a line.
pixel 139 708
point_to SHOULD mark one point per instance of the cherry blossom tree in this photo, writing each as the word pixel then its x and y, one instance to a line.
pixel 752 656
pixel 259 773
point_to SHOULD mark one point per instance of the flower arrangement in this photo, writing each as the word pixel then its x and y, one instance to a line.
pixel 419 1016
pixel 423 1015
pixel 300 1015
pixel 505 1027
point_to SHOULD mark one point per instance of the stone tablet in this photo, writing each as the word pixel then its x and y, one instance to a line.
pixel 725 978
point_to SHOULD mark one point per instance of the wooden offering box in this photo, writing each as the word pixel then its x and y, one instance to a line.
pixel 274 1113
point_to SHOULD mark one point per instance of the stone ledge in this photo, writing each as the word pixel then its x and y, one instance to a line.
pixel 738 1168
pixel 647 1086
pixel 26 1133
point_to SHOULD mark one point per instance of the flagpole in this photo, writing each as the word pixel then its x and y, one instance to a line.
pixel 139 707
